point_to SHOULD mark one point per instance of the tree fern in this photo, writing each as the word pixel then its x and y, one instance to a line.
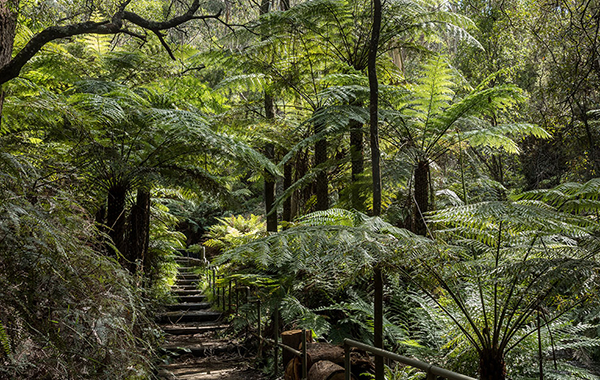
pixel 435 122
pixel 506 261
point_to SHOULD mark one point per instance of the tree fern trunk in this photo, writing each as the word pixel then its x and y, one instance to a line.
pixel 139 230
pixel 322 183
pixel 269 180
pixel 421 183
pixel 270 193
pixel 115 217
pixel 358 165
pixel 8 24
pixel 492 365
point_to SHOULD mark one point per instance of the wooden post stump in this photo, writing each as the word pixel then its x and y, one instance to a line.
pixel 318 351
pixel 326 370
pixel 293 338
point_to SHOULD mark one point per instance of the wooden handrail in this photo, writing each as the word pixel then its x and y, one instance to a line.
pixel 430 369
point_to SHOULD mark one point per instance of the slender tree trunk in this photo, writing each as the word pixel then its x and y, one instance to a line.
pixel 358 165
pixel 8 24
pixel 287 182
pixel 374 108
pixel 115 218
pixel 322 182
pixel 270 187
pixel 422 186
pixel 376 169
pixel 492 365
pixel 139 230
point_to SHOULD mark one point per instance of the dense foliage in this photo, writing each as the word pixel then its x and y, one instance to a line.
pixel 450 146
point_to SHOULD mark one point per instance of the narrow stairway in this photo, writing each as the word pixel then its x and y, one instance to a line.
pixel 195 345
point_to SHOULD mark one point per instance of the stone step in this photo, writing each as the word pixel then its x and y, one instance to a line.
pixel 193 328
pixel 188 276
pixel 210 371
pixel 183 269
pixel 201 349
pixel 191 299
pixel 186 282
pixel 189 316
pixel 189 306
pixel 184 287
pixel 191 261
pixel 188 273
pixel 186 292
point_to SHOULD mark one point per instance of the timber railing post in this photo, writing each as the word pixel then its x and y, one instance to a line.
pixel 276 339
pixel 229 297
pixel 304 357
pixel 222 287
pixel 214 281
pixel 237 298
pixel 347 363
pixel 430 375
pixel 260 344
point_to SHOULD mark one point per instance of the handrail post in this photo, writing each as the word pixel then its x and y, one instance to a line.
pixel 304 357
pixel 430 375
pixel 214 281
pixel 347 364
pixel 237 298
pixel 276 339
pixel 259 328
pixel 222 294
pixel 229 296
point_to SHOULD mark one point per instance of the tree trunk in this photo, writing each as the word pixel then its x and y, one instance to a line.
pixel 492 365
pixel 8 23
pixel 421 183
pixel 287 182
pixel 115 218
pixel 374 110
pixel 357 158
pixel 322 183
pixel 139 230
pixel 270 189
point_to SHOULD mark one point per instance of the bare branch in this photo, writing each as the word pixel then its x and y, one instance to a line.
pixel 12 69
pixel 165 45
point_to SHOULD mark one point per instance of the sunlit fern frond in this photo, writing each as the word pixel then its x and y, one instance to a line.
pixel 243 82
pixel 571 197
pixel 515 216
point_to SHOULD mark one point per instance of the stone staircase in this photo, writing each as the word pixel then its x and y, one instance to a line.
pixel 194 341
